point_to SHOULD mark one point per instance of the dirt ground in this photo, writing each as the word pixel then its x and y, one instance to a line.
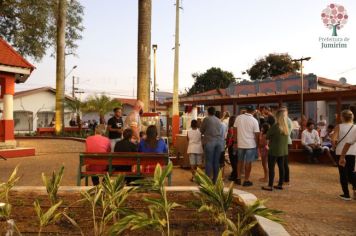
pixel 311 203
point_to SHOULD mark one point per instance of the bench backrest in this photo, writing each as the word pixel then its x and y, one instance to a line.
pixel 123 158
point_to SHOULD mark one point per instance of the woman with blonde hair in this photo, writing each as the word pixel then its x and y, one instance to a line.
pixel 278 149
pixel 346 170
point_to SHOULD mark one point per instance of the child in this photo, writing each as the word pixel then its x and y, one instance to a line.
pixel 263 147
pixel 195 149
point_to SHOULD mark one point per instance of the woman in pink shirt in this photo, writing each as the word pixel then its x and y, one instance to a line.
pixel 97 143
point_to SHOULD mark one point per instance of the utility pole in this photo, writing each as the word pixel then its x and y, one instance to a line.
pixel 175 104
pixel 73 88
pixel 300 60
pixel 154 46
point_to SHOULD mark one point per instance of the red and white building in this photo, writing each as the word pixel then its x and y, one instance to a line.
pixel 13 69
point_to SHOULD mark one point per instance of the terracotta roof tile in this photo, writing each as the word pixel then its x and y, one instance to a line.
pixel 9 57
pixel 221 92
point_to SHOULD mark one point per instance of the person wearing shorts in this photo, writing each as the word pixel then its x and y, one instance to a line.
pixel 248 132
pixel 195 148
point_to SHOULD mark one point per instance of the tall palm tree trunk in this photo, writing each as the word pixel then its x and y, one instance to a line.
pixel 144 52
pixel 60 66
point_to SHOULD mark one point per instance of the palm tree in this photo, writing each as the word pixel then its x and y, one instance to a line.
pixel 75 106
pixel 60 67
pixel 144 51
pixel 101 105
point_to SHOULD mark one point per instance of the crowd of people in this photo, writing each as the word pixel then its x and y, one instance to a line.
pixel 253 134
pixel 267 135
pixel 124 136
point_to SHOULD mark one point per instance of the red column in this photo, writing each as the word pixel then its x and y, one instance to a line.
pixel 7 93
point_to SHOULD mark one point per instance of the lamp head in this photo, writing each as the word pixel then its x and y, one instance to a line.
pixel 154 46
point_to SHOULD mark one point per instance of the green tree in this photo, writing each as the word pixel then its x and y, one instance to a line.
pixel 75 106
pixel 30 25
pixel 101 105
pixel 272 65
pixel 213 78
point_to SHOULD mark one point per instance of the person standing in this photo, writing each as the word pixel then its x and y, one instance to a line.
pixel 286 160
pixel 97 143
pixel 223 132
pixel 211 131
pixel 278 136
pixel 263 148
pixel 115 125
pixel 230 141
pixel 248 133
pixel 295 128
pixel 344 139
pixel 195 149
pixel 225 118
pixel 133 120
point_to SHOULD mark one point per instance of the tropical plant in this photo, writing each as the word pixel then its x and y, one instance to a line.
pixel 218 200
pixel 52 184
pixel 51 216
pixel 8 185
pixel 116 194
pixel 159 208
pixel 5 207
pixel 110 196
pixel 245 220
pixel 101 105
pixel 214 198
pixel 75 106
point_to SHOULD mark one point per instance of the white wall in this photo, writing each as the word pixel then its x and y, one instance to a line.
pixel 37 102
pixel 321 110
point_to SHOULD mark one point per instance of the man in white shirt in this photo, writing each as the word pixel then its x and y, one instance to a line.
pixel 311 143
pixel 248 132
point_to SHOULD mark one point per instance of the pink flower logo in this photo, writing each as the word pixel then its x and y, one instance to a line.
pixel 334 17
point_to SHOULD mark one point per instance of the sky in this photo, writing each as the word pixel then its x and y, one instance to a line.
pixel 230 34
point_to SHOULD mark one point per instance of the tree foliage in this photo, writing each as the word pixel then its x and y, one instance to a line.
pixel 101 105
pixel 213 78
pixel 30 25
pixel 272 65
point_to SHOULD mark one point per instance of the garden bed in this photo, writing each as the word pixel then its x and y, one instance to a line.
pixel 185 220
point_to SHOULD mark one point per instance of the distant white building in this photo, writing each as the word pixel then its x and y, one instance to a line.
pixel 35 108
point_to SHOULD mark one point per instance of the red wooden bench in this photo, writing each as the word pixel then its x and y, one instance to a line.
pixel 137 160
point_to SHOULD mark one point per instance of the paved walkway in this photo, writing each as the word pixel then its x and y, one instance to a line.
pixel 311 204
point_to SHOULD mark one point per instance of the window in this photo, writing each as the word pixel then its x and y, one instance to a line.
pixel 23 120
pixel 44 118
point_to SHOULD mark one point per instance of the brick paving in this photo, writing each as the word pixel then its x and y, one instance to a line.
pixel 311 204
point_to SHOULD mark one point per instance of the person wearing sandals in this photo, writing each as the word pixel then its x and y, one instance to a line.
pixel 278 149
pixel 345 152
pixel 195 148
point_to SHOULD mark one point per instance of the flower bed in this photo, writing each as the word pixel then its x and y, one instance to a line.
pixel 112 209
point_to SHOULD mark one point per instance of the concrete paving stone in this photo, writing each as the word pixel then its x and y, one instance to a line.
pixel 311 205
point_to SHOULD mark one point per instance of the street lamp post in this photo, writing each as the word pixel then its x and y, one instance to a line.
pixel 154 47
pixel 301 85
pixel 73 68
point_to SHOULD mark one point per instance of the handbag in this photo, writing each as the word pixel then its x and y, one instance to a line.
pixel 339 141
